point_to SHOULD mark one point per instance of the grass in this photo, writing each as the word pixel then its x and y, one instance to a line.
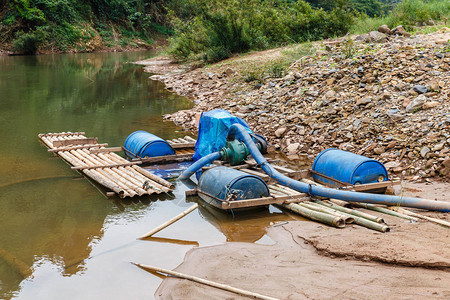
pixel 407 13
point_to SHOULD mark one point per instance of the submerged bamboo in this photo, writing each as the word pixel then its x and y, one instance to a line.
pixel 206 282
pixel 168 223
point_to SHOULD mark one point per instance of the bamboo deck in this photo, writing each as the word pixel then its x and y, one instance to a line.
pixel 102 165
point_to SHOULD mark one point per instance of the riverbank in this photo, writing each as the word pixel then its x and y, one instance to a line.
pixel 311 260
pixel 388 100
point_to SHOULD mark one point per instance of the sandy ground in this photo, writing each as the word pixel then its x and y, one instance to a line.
pixel 311 260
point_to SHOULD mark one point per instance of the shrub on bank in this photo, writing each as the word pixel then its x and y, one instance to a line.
pixel 215 30
pixel 406 12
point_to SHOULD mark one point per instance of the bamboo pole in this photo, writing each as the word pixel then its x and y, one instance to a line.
pixel 100 178
pixel 154 177
pixel 316 215
pixel 314 206
pixel 61 134
pixel 132 176
pixel 120 180
pixel 385 211
pixel 76 147
pixel 19 265
pixel 206 282
pixel 413 214
pixel 168 223
pixel 363 221
pixel 352 212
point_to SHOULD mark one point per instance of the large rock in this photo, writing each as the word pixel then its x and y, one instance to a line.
pixel 384 29
pixel 416 103
pixel 377 37
pixel 399 30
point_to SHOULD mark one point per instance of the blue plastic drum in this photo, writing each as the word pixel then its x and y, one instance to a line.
pixel 222 182
pixel 347 167
pixel 143 144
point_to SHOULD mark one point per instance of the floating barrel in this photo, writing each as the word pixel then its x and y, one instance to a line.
pixel 347 167
pixel 141 144
pixel 220 182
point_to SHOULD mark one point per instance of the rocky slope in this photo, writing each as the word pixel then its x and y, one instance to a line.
pixel 388 100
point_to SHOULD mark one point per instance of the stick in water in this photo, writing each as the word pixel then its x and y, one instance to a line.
pixel 207 282
pixel 171 221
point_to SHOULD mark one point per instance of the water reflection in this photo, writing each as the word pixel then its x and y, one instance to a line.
pixel 54 222
pixel 248 226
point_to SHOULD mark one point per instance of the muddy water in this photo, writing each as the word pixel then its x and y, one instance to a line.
pixel 61 238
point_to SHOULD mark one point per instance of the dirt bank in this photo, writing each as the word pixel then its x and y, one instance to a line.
pixel 387 100
pixel 311 260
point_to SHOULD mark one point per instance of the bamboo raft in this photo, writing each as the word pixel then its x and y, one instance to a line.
pixel 279 194
pixel 102 165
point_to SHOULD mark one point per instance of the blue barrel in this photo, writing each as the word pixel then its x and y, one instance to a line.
pixel 141 144
pixel 220 182
pixel 347 167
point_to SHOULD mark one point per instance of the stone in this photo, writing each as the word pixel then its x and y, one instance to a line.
pixel 280 131
pixel 392 165
pixel 363 37
pixel 434 86
pixel 424 151
pixel 363 101
pixel 384 29
pixel 416 103
pixel 438 147
pixel 430 104
pixel 210 75
pixel 399 30
pixel 292 148
pixel 377 37
pixel 330 94
pixel 421 89
pixel 379 150
pixel 228 72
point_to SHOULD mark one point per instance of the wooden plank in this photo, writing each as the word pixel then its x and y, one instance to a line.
pixel 165 158
pixel 76 147
pixel 190 193
pixel 263 176
pixel 292 173
pixel 182 145
pixel 190 139
pixel 103 150
pixel 75 142
pixel 105 166
pixel 370 186
pixel 263 201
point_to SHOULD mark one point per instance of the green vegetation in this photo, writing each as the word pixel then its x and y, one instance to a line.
pixel 213 30
pixel 70 25
pixel 202 30
pixel 407 13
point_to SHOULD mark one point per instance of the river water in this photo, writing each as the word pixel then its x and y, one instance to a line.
pixel 60 237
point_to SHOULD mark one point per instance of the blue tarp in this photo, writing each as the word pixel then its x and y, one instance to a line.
pixel 212 131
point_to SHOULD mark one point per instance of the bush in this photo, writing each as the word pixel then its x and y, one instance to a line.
pixel 215 30
pixel 27 43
